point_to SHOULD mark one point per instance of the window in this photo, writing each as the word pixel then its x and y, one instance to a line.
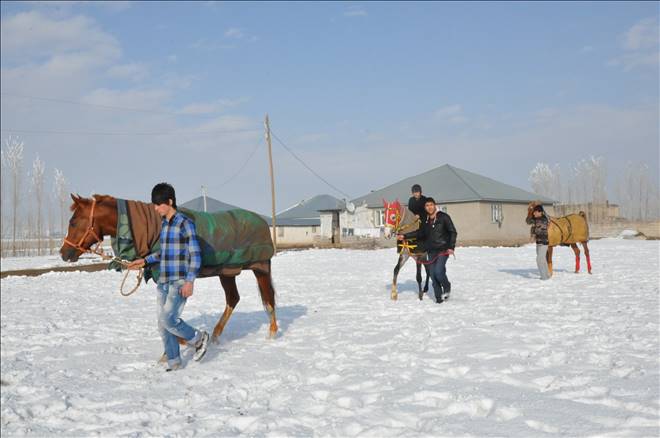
pixel 496 213
pixel 280 231
pixel 443 209
pixel 379 218
pixel 313 230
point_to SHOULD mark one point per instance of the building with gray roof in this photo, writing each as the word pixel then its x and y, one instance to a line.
pixel 485 211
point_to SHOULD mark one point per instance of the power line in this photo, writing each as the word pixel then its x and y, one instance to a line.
pixel 96 105
pixel 47 131
pixel 300 160
pixel 228 180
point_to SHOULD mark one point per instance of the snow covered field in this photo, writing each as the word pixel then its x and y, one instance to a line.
pixel 508 355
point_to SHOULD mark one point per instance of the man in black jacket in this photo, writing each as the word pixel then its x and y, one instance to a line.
pixel 416 202
pixel 437 234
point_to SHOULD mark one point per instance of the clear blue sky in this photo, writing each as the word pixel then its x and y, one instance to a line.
pixel 365 93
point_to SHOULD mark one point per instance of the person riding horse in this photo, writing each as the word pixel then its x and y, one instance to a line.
pixel 416 203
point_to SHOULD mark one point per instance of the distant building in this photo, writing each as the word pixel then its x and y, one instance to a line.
pixel 301 223
pixel 485 211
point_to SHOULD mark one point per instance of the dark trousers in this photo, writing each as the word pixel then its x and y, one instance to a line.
pixel 438 271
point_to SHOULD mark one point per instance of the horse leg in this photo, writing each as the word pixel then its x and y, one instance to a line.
pixel 231 300
pixel 419 279
pixel 394 294
pixel 268 299
pixel 549 259
pixel 586 254
pixel 576 250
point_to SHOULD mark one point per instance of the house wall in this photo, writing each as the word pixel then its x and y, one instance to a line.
pixel 473 221
pixel 326 225
pixel 299 235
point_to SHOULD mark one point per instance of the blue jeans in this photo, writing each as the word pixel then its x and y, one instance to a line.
pixel 438 272
pixel 170 325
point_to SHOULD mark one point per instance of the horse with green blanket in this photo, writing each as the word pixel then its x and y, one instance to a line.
pixel 231 241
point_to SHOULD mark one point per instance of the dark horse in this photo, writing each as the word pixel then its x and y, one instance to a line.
pixel 399 220
pixel 97 217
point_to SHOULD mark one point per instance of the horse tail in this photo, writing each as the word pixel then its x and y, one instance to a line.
pixel 586 222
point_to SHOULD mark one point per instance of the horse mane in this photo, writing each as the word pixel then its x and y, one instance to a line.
pixel 77 199
pixel 408 217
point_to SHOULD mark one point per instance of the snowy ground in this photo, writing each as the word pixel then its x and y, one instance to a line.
pixel 508 355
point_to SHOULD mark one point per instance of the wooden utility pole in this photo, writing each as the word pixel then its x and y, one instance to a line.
pixel 272 180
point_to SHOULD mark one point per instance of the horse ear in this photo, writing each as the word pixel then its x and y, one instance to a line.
pixel 75 198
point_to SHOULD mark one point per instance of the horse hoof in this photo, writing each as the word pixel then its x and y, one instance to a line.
pixel 215 339
pixel 394 297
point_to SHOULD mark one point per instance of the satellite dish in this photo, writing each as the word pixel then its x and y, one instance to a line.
pixel 350 207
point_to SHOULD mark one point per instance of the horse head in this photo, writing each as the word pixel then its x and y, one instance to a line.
pixel 92 219
pixel 392 216
pixel 530 208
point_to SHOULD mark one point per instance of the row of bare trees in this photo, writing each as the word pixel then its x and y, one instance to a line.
pixel 584 187
pixel 29 204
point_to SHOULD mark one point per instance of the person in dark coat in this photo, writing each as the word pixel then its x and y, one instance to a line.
pixel 416 202
pixel 539 233
pixel 437 235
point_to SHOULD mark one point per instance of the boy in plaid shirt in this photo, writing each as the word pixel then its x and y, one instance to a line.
pixel 180 259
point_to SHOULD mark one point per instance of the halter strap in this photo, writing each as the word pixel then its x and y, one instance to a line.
pixel 90 230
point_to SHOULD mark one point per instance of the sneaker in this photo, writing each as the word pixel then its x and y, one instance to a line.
pixel 445 293
pixel 201 346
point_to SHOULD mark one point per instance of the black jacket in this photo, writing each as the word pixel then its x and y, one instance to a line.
pixel 436 235
pixel 417 206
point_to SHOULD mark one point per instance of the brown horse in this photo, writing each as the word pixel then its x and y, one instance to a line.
pixel 566 231
pixel 97 217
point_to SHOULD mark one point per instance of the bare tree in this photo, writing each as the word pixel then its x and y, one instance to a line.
pixel 14 156
pixel 638 195
pixel 61 196
pixel 37 177
pixel 3 170
pixel 546 181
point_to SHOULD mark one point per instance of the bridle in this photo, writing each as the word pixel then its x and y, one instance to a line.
pixel 90 230
pixel 397 228
pixel 98 250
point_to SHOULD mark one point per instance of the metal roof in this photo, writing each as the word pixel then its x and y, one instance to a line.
pixel 212 205
pixel 448 184
pixel 306 212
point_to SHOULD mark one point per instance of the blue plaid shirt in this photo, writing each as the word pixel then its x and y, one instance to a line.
pixel 180 255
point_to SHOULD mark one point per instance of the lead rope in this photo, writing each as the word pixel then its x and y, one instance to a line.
pixel 124 263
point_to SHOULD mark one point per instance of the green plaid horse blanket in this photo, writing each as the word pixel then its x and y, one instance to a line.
pixel 229 240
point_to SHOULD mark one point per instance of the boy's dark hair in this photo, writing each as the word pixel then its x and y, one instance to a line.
pixel 539 208
pixel 416 188
pixel 429 200
pixel 162 193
